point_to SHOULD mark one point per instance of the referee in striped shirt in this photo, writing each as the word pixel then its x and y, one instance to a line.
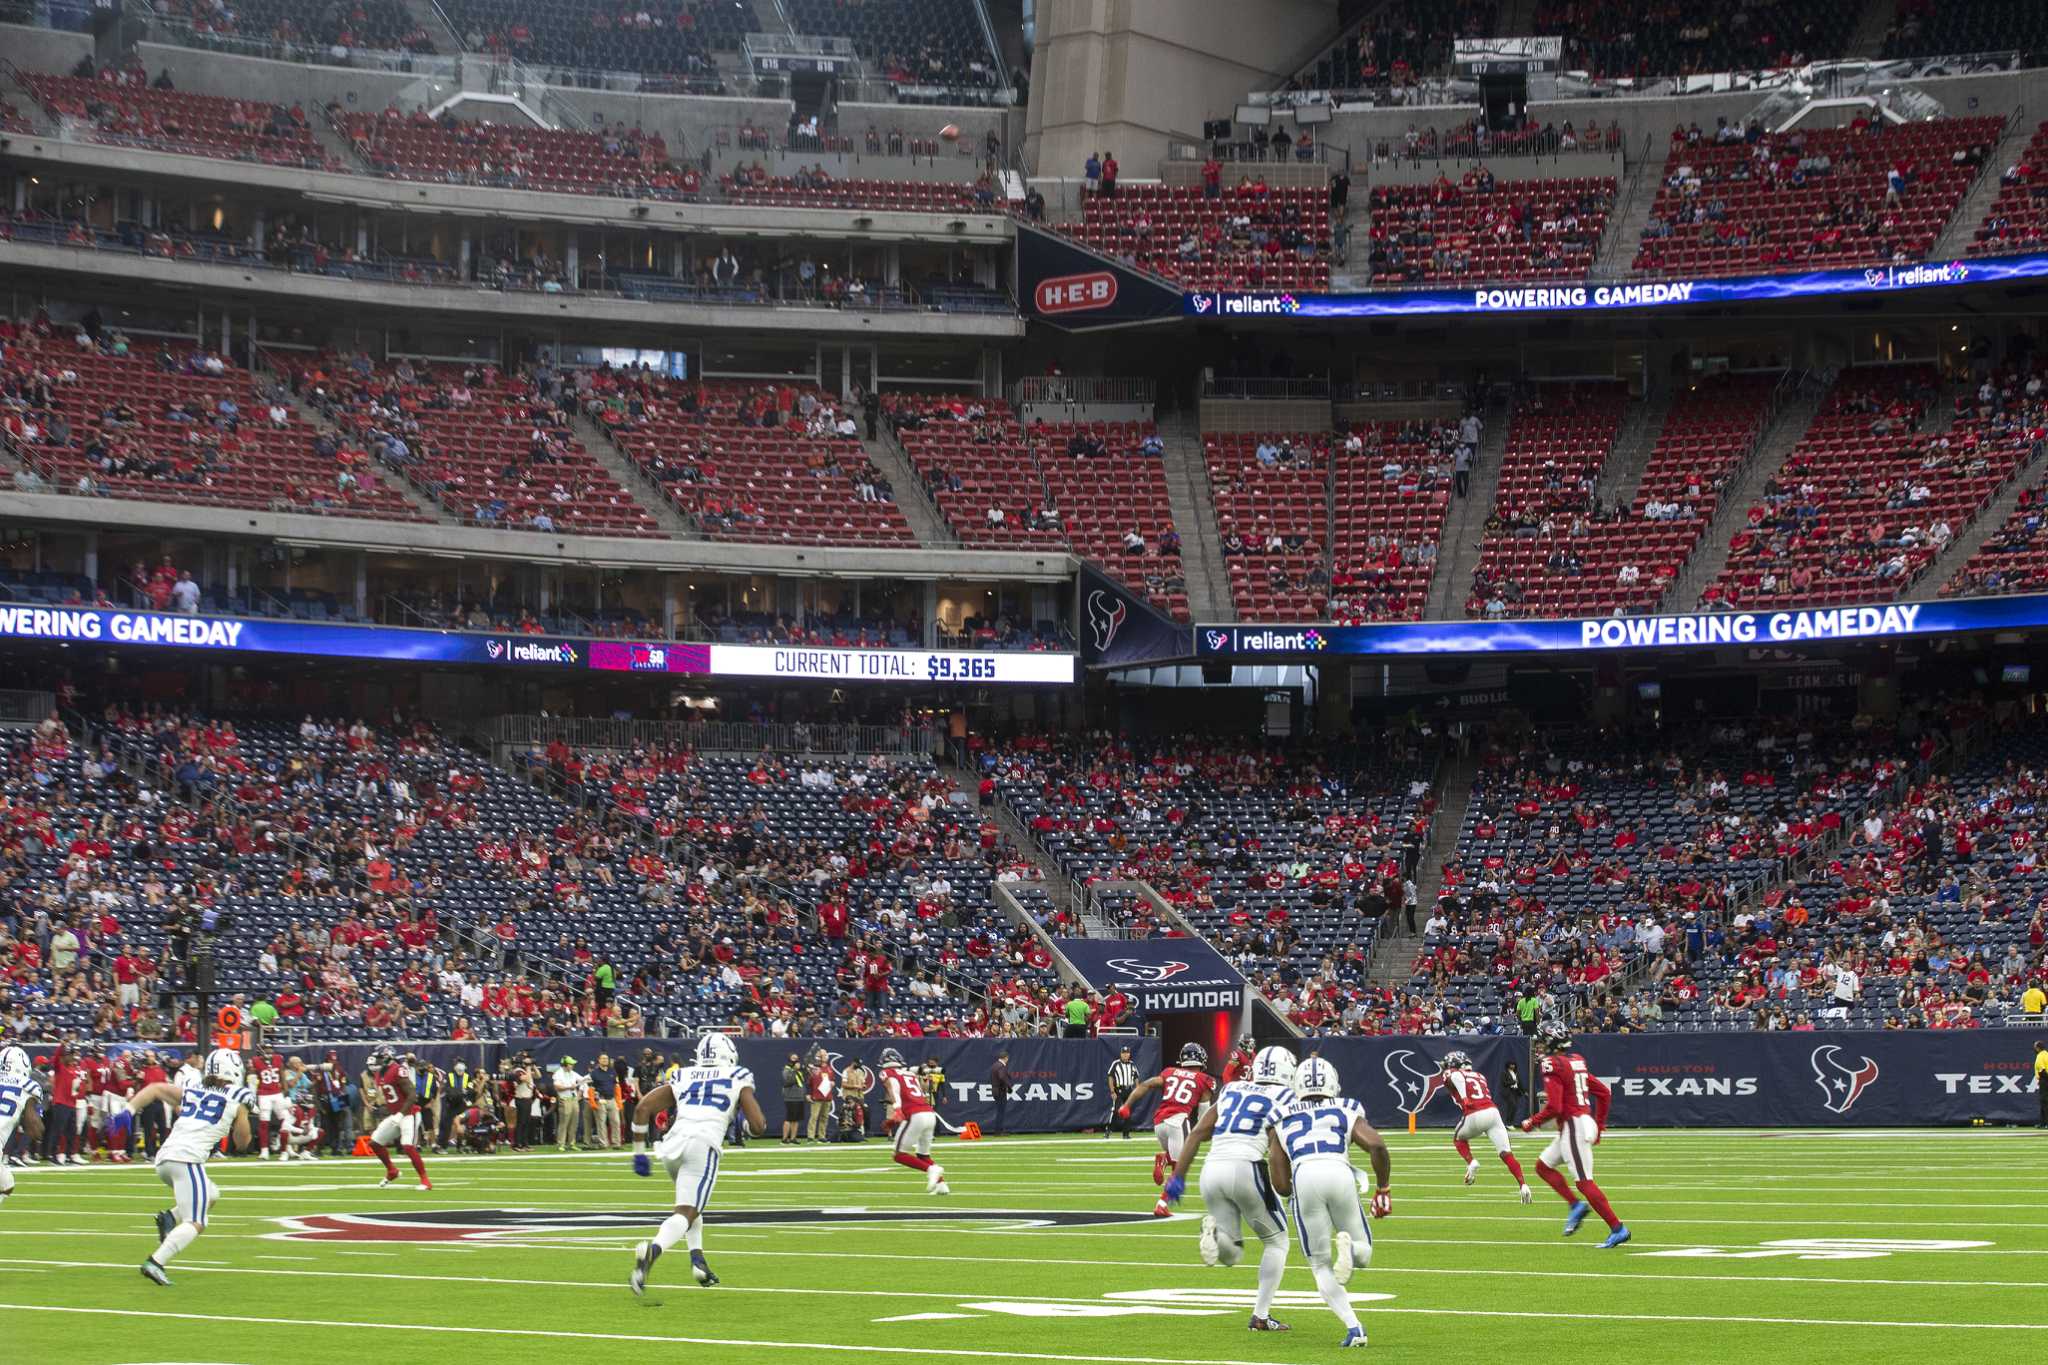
pixel 1123 1079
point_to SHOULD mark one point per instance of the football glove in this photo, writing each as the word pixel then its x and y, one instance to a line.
pixel 641 1165
pixel 1382 1203
pixel 119 1125
pixel 1123 1112
pixel 1175 1188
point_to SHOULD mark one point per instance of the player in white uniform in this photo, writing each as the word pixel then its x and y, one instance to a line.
pixel 702 1097
pixel 19 1093
pixel 210 1111
pixel 1310 1152
pixel 1235 1182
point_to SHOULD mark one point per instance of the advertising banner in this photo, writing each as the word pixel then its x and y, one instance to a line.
pixel 1063 283
pixel 1057 1084
pixel 1610 634
pixel 1588 298
pixel 1161 975
pixel 1118 628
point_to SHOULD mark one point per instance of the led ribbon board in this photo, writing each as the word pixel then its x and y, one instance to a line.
pixel 1593 298
pixel 223 635
pixel 1607 634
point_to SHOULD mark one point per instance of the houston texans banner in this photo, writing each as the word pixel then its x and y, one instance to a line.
pixel 1057 1084
pixel 1161 975
pixel 1117 628
pixel 1584 298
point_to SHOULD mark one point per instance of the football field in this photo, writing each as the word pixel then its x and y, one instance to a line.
pixel 1781 1247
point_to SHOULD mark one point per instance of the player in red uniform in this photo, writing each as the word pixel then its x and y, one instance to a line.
pixel 1183 1089
pixel 271 1105
pixel 298 1133
pixel 1238 1064
pixel 1477 1115
pixel 98 1094
pixel 1578 1100
pixel 912 1120
pixel 400 1126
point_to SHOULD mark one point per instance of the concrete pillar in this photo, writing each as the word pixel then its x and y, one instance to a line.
pixel 363 236
pixel 20 193
pixel 362 584
pixel 572 260
pixel 892 263
pixel 669 609
pixel 258 230
pixel 462 261
pixel 234 572
pixel 928 609
pixel 679 259
pixel 1333 700
pixel 92 555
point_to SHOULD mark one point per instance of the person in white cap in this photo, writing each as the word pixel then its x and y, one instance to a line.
pixel 569 1086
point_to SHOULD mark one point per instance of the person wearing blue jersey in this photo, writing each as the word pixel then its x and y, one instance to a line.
pixel 1309 1154
pixel 218 1107
pixel 19 1093
pixel 701 1099
pixel 1237 1189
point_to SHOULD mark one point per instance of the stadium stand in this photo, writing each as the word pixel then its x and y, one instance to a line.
pixel 179 425
pixel 1484 228
pixel 418 147
pixel 123 109
pixel 1557 443
pixel 1092 486
pixel 1867 194
pixel 1400 42
pixel 1389 496
pixel 2018 218
pixel 491 448
pixel 761 463
pixel 1936 28
pixel 383 25
pixel 1559 552
pixel 592 35
pixel 1248 236
pixel 817 190
pixel 910 43
pixel 1615 38
pixel 1867 499
pixel 1272 496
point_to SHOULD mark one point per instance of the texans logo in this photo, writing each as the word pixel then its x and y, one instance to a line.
pixel 1146 971
pixel 1874 278
pixel 1840 1084
pixel 1411 1085
pixel 1201 303
pixel 1218 639
pixel 1106 613
pixel 494 648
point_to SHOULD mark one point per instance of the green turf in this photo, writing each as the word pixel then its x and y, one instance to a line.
pixel 1466 1271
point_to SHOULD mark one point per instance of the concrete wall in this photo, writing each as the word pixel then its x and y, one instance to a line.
pixel 43 49
pixel 1128 75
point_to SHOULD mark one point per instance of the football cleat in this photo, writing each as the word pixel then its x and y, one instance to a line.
pixel 1342 1259
pixel 264 1155
pixel 1616 1237
pixel 1526 1195
pixel 387 1180
pixel 643 1261
pixel 165 1221
pixel 1576 1217
pixel 1159 1169
pixel 1269 1325
pixel 1354 1337
pixel 309 1154
pixel 1162 1210
pixel 154 1273
pixel 425 1184
pixel 1206 1243
pixel 935 1180
pixel 1471 1171
pixel 700 1270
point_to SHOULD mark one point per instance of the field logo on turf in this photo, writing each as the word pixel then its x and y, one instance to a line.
pixel 471 1225
pixel 1412 1086
pixel 1841 1085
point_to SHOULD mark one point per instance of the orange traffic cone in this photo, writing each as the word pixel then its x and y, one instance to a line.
pixel 363 1146
pixel 970 1132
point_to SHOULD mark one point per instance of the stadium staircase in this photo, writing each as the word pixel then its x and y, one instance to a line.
pixel 912 497
pixel 1955 239
pixel 1393 954
pixel 1465 525
pixel 427 14
pixel 1710 557
pixel 1621 473
pixel 1617 254
pixel 1866 40
pixel 386 476
pixel 651 497
pixel 1193 504
pixel 1355 273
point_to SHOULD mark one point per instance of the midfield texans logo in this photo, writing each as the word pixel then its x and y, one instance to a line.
pixel 1139 970
pixel 1841 1084
pixel 1106 613
pixel 1411 1084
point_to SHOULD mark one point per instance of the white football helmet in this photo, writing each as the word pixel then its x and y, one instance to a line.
pixel 715 1049
pixel 15 1066
pixel 1317 1079
pixel 1273 1066
pixel 224 1063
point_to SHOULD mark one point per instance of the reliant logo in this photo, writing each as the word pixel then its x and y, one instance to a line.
pixel 1282 641
pixel 1842 1085
pixel 1076 293
pixel 1917 276
pixel 534 652
pixel 1259 305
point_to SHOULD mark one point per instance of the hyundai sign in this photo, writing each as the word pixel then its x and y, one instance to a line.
pixel 1890 621
pixel 1582 298
pixel 1160 975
